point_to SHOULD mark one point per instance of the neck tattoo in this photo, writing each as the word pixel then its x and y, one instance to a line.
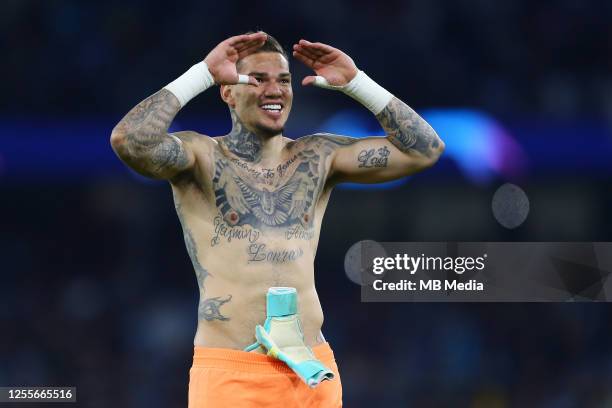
pixel 242 142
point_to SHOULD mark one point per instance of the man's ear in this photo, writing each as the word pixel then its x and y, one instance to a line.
pixel 227 95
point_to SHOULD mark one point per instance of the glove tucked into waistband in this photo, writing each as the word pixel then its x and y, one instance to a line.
pixel 282 336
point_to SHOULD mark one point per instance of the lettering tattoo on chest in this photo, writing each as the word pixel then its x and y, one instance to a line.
pixel 265 175
pixel 276 198
pixel 251 200
pixel 246 202
pixel 208 309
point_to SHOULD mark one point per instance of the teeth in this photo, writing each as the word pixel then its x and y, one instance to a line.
pixel 271 107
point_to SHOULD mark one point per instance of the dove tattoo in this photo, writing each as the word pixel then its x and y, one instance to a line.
pixel 242 203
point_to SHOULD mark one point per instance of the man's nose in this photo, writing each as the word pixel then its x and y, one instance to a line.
pixel 272 88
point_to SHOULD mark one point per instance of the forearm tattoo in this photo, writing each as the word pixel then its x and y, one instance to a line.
pixel 407 131
pixel 146 133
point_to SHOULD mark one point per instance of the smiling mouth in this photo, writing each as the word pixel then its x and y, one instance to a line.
pixel 272 110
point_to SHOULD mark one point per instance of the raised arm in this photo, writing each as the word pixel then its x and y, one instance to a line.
pixel 410 145
pixel 141 138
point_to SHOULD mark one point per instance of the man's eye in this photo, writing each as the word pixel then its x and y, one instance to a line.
pixel 285 81
pixel 260 80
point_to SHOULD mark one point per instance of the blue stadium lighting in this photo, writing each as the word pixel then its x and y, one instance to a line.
pixel 480 146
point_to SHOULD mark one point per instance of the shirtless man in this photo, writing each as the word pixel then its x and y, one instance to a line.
pixel 251 202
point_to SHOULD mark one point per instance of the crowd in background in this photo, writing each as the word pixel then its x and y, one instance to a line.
pixel 97 290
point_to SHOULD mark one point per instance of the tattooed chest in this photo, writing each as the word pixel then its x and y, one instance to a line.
pixel 278 197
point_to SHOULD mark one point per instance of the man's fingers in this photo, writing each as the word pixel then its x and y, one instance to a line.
pixel 236 41
pixel 323 48
pixel 306 52
pixel 308 47
pixel 316 48
pixel 249 50
pixel 249 44
pixel 242 79
pixel 309 80
pixel 304 59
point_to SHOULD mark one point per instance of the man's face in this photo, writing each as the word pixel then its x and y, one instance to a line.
pixel 264 108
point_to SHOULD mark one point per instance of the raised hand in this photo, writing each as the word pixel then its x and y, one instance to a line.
pixel 326 61
pixel 222 59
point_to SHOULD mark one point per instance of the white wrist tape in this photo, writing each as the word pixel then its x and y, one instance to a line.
pixel 363 89
pixel 193 82
pixel 243 79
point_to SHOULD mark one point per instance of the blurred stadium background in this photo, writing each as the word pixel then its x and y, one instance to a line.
pixel 96 287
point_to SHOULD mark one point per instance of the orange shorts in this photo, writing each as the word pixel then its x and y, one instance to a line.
pixel 227 378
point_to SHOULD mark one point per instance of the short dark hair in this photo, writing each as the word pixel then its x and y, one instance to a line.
pixel 271 45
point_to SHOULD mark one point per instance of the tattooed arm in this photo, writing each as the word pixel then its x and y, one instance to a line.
pixel 411 144
pixel 141 138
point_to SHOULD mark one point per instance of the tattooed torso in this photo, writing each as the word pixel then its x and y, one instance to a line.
pixel 250 225
pixel 251 208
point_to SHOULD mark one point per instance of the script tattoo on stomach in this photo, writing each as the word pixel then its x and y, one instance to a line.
pixel 299 232
pixel 208 309
pixel 227 233
pixel 260 253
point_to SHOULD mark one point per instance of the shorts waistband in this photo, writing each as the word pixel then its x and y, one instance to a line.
pixel 238 360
